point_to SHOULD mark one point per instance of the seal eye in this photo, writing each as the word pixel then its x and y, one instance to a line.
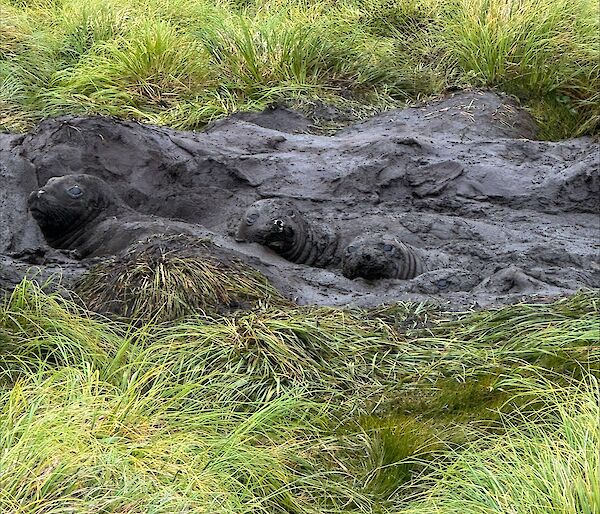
pixel 351 249
pixel 74 192
pixel 387 247
pixel 252 218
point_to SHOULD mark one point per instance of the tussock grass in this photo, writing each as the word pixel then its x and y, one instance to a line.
pixel 325 352
pixel 476 378
pixel 167 278
pixel 40 331
pixel 152 71
pixel 185 62
pixel 321 350
pixel 301 410
pixel 386 453
pixel 334 353
pixel 477 343
pixel 547 52
pixel 71 442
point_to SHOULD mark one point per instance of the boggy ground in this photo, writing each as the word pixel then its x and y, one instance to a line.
pixel 463 178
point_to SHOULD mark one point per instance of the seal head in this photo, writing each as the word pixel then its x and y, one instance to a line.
pixel 274 223
pixel 380 256
pixel 67 208
pixel 280 226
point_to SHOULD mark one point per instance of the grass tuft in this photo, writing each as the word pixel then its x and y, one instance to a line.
pixel 325 352
pixel 72 442
pixel 546 459
pixel 544 52
pixel 164 279
pixel 40 330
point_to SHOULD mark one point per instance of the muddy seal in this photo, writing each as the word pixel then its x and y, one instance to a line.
pixel 376 256
pixel 83 214
pixel 279 225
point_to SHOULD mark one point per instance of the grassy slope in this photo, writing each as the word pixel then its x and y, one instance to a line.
pixel 299 411
pixel 185 62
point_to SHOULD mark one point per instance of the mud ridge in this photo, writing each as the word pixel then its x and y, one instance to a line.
pixel 498 215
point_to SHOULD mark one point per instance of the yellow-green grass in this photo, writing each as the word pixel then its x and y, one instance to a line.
pixel 324 351
pixel 185 62
pixel 72 442
pixel 546 459
pixel 305 410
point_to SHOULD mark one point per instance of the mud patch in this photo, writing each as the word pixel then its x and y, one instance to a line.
pixel 496 214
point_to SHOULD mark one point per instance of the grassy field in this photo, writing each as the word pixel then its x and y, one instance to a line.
pixel 399 410
pixel 183 63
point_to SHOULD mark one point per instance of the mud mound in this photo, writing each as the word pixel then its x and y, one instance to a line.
pixel 500 215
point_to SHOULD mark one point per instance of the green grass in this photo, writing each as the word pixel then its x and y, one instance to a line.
pixel 546 459
pixel 74 443
pixel 39 331
pixel 305 410
pixel 184 63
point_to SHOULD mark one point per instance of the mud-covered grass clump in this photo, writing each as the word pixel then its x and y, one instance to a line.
pixel 299 410
pixel 186 62
pixel 167 278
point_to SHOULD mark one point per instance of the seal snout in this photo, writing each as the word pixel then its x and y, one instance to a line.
pixel 34 198
pixel 279 225
pixel 40 204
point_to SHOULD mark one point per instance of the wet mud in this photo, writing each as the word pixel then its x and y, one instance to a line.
pixel 495 215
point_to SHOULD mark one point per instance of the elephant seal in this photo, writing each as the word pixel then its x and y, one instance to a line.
pixel 376 256
pixel 82 213
pixel 280 226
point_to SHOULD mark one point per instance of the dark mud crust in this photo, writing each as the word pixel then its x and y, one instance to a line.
pixel 461 179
